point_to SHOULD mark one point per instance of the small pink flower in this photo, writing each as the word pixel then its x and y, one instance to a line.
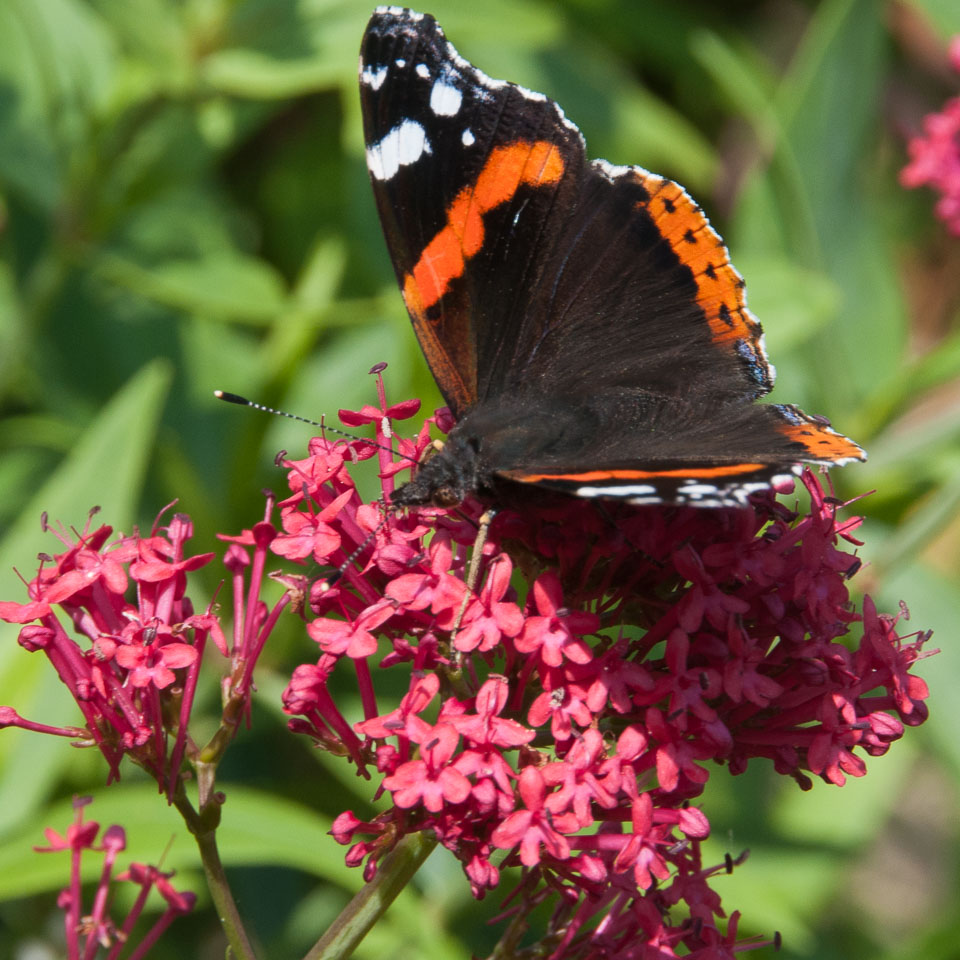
pixel 491 617
pixel 563 704
pixel 641 853
pixel 153 662
pixel 310 535
pixel 556 632
pixel 430 780
pixel 580 780
pixel 534 826
pixel 354 639
pixel 422 692
pixel 486 727
pixel 367 414
pixel 437 589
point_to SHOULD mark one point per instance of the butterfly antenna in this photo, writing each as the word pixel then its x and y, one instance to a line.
pixel 323 425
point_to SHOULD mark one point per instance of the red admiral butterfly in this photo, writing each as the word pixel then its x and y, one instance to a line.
pixel 583 320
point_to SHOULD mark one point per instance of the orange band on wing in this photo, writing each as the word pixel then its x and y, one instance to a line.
pixel 692 473
pixel 507 169
pixel 822 443
pixel 696 244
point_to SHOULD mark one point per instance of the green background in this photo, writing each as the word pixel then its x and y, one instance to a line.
pixel 184 206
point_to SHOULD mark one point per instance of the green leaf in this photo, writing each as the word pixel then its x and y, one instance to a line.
pixel 106 468
pixel 284 49
pixel 742 80
pixel 943 14
pixel 295 330
pixel 890 398
pixel 250 73
pixel 931 596
pixel 928 518
pixel 791 302
pixel 57 68
pixel 228 285
pixel 11 333
pixel 151 31
pixel 814 204
pixel 851 816
pixel 778 888
pixel 645 127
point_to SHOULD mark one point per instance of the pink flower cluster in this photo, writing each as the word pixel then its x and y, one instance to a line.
pixel 560 717
pixel 566 725
pixel 84 932
pixel 133 647
pixel 935 155
pixel 134 665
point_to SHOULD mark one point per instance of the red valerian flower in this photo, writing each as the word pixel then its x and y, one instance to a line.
pixel 560 713
pixel 148 659
pixel 535 825
pixel 568 708
pixel 489 617
pixel 353 639
pixel 555 633
pixel 935 155
pixel 431 780
pixel 134 648
pixel 134 662
pixel 86 930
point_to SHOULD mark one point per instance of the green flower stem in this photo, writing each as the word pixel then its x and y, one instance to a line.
pixel 203 826
pixel 371 902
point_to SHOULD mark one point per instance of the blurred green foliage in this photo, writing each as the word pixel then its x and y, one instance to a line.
pixel 184 206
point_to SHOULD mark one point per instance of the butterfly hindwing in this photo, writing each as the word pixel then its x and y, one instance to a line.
pixel 699 459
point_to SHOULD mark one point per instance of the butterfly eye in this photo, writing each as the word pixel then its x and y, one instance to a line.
pixel 444 497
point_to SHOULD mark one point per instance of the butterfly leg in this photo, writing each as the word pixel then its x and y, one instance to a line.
pixel 473 571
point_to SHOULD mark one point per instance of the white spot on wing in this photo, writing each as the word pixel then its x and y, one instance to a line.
pixel 400 12
pixel 610 170
pixel 400 62
pixel 569 124
pixel 423 71
pixel 699 490
pixel 532 94
pixel 373 78
pixel 628 490
pixel 445 99
pixel 467 138
pixel 478 75
pixel 403 145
